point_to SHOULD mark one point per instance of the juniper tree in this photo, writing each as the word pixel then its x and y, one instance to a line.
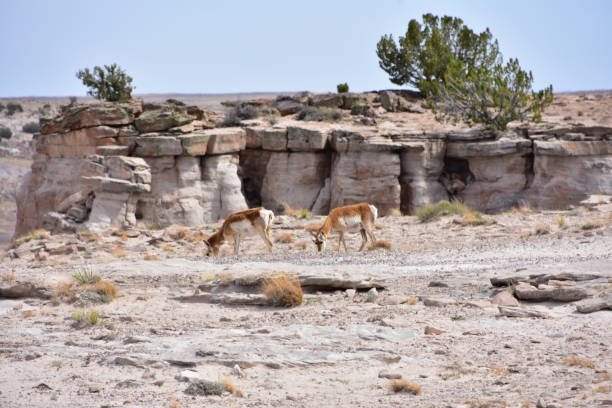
pixel 110 83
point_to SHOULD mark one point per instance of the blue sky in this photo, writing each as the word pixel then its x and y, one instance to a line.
pixel 189 46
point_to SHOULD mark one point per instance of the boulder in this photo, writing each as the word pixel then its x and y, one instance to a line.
pixel 305 139
pixel 371 177
pixel 559 294
pixel 396 103
pixel 221 188
pixel 329 100
pixel 225 140
pixel 594 305
pixel 195 144
pixel 80 116
pixel 162 118
pixel 274 139
pixel 112 210
pixel 287 105
pixel 154 145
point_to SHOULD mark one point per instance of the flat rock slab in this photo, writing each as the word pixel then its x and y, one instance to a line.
pixel 559 294
pixel 544 278
pixel 520 312
pixel 438 302
pixel 24 290
pixel 594 305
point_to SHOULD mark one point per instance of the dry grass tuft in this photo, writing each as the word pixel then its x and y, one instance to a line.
pixel 285 238
pixel 37 234
pixel 8 277
pixel 119 252
pixel 175 403
pixel 301 245
pixel 498 370
pixel 64 291
pixel 430 212
pixel 281 290
pixel 230 387
pixel 404 386
pixel 604 389
pixel 395 212
pixel 542 229
pixel 107 288
pixel 121 234
pixel 380 244
pixel 150 257
pixel 561 222
pixel 412 301
pixel 298 213
pixel 578 362
pixel 167 248
pixel 28 313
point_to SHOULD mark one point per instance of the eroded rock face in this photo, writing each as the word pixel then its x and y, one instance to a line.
pixel 371 177
pixel 567 172
pixel 295 179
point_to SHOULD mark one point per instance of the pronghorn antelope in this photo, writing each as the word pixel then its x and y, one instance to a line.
pixel 248 222
pixel 349 218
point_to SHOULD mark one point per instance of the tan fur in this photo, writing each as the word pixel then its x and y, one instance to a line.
pixel 230 230
pixel 333 222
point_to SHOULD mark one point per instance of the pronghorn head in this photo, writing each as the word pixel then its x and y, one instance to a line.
pixel 320 240
pixel 209 248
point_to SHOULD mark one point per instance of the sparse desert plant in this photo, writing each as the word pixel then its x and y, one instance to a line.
pixel 244 111
pixel 301 245
pixel 166 247
pixel 298 213
pixel 395 212
pixel 371 297
pixel 205 387
pixel 342 88
pixel 432 211
pixel 1 107
pixel 380 244
pixel 12 108
pixel 5 133
pixel 64 291
pixel 578 362
pixel 319 114
pixel 285 238
pixel 31 127
pixel 542 229
pixel 404 386
pixel 150 257
pixel 36 234
pixel 28 313
pixel 590 225
pixel 107 288
pixel 8 277
pixel 119 252
pixel 561 222
pixel 281 290
pixel 230 387
pixel 93 317
pixel 109 83
pixel 86 276
pixel 412 301
pixel 175 403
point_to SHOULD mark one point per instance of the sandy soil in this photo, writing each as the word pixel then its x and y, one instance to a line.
pixel 330 350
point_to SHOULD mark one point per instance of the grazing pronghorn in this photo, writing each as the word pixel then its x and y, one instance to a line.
pixel 248 222
pixel 349 218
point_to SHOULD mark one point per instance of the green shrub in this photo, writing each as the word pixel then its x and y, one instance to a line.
pixel 12 108
pixel 110 83
pixel 317 114
pixel 31 127
pixel 86 275
pixel 342 88
pixel 461 73
pixel 432 211
pixel 1 107
pixel 5 133
pixel 245 111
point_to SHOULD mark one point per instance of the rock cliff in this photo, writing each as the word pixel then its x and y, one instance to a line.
pixel 115 164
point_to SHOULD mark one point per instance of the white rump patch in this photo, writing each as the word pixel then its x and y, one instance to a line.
pixel 267 216
pixel 243 227
pixel 374 212
pixel 350 221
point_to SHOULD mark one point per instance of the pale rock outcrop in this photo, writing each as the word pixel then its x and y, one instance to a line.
pixel 221 188
pixel 499 170
pixel 294 178
pixel 371 177
pixel 566 172
pixel 422 164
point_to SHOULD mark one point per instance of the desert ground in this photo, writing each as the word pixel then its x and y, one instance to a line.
pixel 169 316
pixel 434 320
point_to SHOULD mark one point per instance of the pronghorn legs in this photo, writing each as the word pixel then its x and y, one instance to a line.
pixel 236 244
pixel 265 235
pixel 341 241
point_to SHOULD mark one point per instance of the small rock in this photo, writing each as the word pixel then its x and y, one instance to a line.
pixel 481 304
pixel 126 361
pixel 94 388
pixel 553 282
pixel 129 384
pixel 42 255
pixel 188 376
pixel 136 339
pixel 433 331
pixel 148 374
pixel 159 364
pixel 595 305
pixel 438 284
pixel 520 312
pixel 505 298
pixel 393 300
pixel 350 293
pixel 237 371
pixel 390 376
pixel 42 387
pixel 182 363
pixel 291 397
pixel 438 302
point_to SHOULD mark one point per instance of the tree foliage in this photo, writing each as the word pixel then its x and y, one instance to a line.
pixel 110 83
pixel 491 96
pixel 12 108
pixel 461 73
pixel 422 56
pixel 5 133
pixel 342 88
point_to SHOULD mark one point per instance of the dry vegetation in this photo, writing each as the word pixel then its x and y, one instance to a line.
pixel 282 290
pixel 404 386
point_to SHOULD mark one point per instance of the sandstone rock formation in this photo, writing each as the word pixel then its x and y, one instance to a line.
pixel 97 165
